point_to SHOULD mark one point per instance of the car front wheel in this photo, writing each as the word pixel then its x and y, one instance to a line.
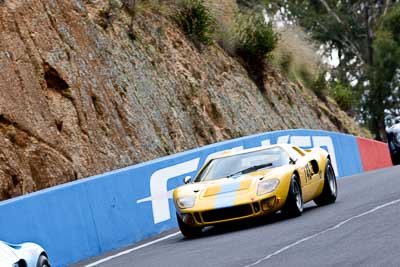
pixel 187 230
pixel 294 202
pixel 395 159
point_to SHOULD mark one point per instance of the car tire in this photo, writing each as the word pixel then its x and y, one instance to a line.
pixel 329 192
pixel 43 261
pixel 188 231
pixel 395 159
pixel 294 202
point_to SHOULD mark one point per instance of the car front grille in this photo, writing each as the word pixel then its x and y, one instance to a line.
pixel 227 213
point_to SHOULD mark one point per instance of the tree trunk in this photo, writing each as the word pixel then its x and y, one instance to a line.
pixel 369 32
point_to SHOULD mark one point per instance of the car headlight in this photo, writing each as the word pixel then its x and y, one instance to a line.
pixel 185 202
pixel 267 186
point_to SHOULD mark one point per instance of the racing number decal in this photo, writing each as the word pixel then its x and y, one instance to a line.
pixel 308 173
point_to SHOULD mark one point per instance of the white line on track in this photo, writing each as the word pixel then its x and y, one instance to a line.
pixel 322 232
pixel 340 224
pixel 132 249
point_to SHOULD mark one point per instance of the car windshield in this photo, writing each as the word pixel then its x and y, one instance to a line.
pixel 236 165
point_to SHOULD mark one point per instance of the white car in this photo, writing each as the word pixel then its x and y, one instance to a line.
pixel 22 255
pixel 392 125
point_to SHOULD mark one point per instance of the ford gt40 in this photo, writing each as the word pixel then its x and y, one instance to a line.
pixel 254 183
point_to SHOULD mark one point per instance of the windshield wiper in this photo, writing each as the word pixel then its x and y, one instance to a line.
pixel 250 169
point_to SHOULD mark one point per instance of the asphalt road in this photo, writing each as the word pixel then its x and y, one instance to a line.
pixel 360 229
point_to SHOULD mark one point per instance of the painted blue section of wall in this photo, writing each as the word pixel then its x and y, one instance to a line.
pixel 82 219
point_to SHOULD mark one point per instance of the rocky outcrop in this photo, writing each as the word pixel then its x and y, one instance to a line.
pixel 83 91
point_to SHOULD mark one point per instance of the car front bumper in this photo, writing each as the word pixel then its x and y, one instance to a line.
pixel 258 208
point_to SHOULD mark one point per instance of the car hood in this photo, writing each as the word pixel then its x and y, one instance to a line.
pixel 223 185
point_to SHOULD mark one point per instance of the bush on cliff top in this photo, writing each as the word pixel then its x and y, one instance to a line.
pixel 196 21
pixel 255 38
pixel 253 41
pixel 343 95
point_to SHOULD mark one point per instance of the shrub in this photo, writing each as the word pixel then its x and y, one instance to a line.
pixel 305 76
pixel 319 85
pixel 285 61
pixel 315 82
pixel 343 95
pixel 196 21
pixel 225 36
pixel 255 38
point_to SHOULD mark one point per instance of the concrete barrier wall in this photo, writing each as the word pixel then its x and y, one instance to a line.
pixel 374 155
pixel 86 218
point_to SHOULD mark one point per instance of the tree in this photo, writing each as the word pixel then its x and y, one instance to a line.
pixel 360 31
pixel 385 70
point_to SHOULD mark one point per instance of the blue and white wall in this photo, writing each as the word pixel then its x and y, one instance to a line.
pixel 86 218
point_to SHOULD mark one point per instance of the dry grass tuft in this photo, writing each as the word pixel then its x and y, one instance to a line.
pixel 296 55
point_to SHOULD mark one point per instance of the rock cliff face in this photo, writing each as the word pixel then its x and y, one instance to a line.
pixel 83 91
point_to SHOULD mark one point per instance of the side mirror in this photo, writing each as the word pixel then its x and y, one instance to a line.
pixel 186 180
pixel 292 161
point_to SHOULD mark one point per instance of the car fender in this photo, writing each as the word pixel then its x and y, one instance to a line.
pixel 30 252
pixel 324 156
pixel 285 182
pixel 7 255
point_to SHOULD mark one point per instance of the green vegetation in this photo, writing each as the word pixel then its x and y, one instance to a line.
pixel 285 61
pixel 250 37
pixel 246 36
pixel 305 77
pixel 320 86
pixel 255 38
pixel 343 95
pixel 365 35
pixel 384 70
pixel 316 82
pixel 196 21
pixel 295 56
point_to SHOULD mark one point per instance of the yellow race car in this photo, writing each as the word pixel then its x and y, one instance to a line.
pixel 253 183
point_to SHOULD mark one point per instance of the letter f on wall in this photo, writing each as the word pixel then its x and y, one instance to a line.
pixel 158 188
